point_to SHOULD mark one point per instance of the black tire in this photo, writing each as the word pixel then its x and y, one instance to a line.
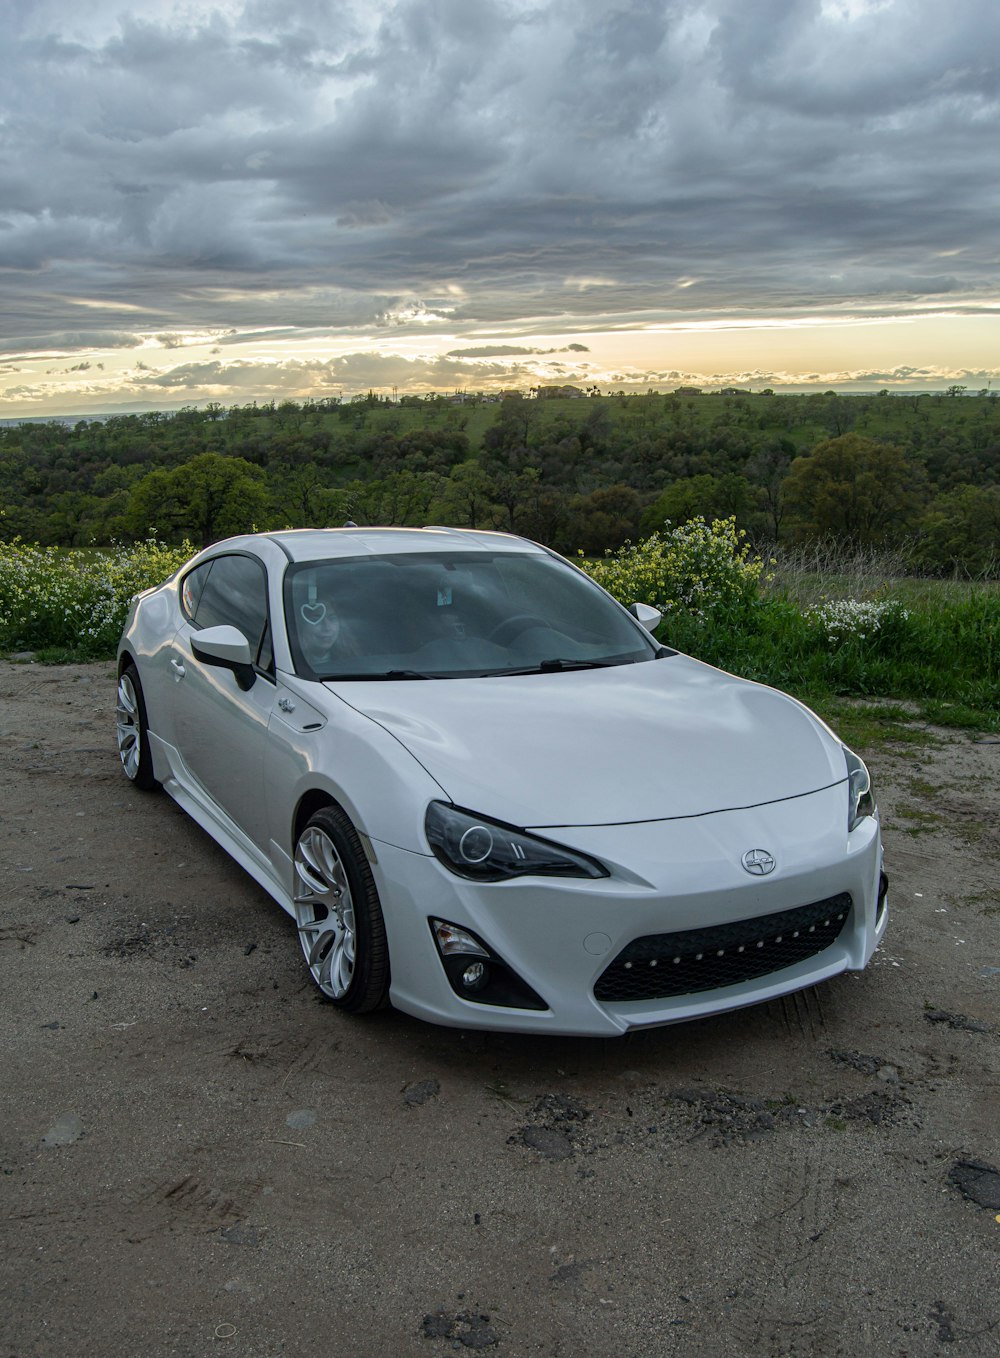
pixel 132 730
pixel 338 914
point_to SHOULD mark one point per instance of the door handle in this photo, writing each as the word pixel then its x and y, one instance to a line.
pixel 178 669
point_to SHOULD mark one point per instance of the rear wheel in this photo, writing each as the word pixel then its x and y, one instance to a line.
pixel 338 914
pixel 132 731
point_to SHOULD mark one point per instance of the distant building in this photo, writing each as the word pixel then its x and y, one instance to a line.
pixel 567 392
pixel 688 391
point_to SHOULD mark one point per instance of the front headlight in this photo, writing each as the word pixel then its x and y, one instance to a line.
pixel 489 851
pixel 860 789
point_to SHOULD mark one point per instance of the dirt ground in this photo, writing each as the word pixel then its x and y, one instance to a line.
pixel 200 1157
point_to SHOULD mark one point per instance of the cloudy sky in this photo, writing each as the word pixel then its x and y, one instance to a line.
pixel 244 200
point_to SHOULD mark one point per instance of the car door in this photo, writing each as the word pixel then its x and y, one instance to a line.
pixel 220 728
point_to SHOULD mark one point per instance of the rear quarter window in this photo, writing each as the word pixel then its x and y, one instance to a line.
pixel 191 588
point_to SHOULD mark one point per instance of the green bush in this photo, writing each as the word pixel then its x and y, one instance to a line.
pixel 699 569
pixel 76 601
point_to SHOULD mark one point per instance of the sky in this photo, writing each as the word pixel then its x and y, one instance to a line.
pixel 241 200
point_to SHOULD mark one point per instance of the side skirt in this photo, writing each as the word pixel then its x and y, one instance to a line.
pixel 230 838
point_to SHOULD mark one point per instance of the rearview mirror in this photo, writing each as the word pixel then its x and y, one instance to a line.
pixel 228 648
pixel 649 616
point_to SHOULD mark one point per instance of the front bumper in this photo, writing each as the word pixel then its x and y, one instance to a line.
pixel 667 877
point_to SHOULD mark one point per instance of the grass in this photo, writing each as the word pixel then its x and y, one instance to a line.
pixel 938 653
pixel 871 726
pixel 986 903
pixel 827 569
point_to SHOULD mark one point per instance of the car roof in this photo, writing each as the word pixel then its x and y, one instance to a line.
pixel 319 544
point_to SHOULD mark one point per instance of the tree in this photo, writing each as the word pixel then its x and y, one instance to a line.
pixel 208 498
pixel 302 498
pixel 767 468
pixel 467 498
pixel 603 520
pixel 853 488
pixel 515 420
pixel 840 415
pixel 713 497
pixel 960 532
pixel 402 499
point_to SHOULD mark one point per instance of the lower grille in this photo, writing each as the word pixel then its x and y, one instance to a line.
pixel 660 965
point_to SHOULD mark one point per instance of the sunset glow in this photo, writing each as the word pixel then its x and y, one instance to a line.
pixel 216 205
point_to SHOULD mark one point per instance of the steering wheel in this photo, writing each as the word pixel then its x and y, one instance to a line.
pixel 513 626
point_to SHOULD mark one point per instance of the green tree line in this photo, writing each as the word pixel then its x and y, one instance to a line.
pixel 579 474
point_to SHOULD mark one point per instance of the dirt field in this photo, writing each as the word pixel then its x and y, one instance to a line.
pixel 200 1157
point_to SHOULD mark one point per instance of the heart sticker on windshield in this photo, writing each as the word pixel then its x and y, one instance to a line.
pixel 313 613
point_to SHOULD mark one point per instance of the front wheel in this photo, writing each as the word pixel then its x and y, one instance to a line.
pixel 338 914
pixel 132 731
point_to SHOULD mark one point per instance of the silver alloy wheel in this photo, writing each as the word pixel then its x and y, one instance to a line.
pixel 128 727
pixel 324 912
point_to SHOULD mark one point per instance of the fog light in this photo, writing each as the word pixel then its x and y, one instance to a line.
pixel 451 939
pixel 474 976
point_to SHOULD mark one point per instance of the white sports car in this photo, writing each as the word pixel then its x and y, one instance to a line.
pixel 483 790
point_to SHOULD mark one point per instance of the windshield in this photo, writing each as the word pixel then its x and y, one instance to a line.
pixel 450 615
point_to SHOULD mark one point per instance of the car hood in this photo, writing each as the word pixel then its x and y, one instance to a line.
pixel 653 741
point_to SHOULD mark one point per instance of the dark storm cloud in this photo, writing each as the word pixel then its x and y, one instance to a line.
pixel 242 165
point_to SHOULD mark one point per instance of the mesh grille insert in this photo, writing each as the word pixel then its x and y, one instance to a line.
pixel 660 965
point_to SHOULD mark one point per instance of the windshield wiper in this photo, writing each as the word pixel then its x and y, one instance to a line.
pixel 383 674
pixel 559 666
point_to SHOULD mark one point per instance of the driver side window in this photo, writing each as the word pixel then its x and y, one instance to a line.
pixel 232 590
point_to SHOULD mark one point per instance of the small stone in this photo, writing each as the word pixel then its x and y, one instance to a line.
pixel 958 1021
pixel 568 1273
pixel 416 1094
pixel 64 1131
pixel 888 1075
pixel 301 1119
pixel 553 1145
pixel 475 1331
pixel 240 1234
pixel 437 1325
pixel 978 1182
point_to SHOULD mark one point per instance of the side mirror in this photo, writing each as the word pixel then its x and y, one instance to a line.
pixel 649 616
pixel 228 648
